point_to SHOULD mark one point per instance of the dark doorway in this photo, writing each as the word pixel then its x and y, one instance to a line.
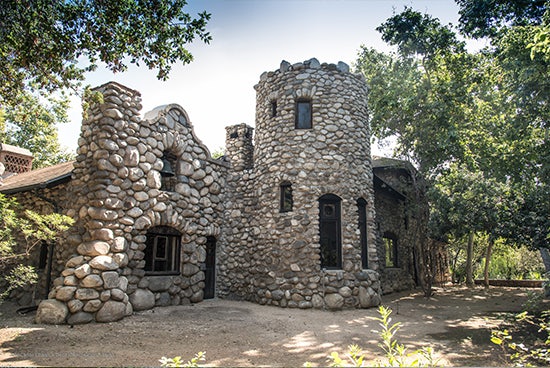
pixel 330 232
pixel 210 268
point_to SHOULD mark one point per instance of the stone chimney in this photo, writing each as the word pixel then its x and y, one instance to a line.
pixel 16 160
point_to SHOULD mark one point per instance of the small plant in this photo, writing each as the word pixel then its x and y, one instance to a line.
pixel 395 353
pixel 533 304
pixel 537 353
pixel 177 362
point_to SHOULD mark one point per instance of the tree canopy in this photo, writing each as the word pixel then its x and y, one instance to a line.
pixel 49 45
pixel 475 123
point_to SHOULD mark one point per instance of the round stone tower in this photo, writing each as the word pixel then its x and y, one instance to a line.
pixel 314 188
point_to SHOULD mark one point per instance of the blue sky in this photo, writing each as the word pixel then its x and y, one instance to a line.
pixel 250 37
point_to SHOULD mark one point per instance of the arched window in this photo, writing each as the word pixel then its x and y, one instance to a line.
pixel 362 223
pixel 330 231
pixel 390 247
pixel 162 251
pixel 285 197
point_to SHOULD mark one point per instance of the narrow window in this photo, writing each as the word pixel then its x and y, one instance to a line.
pixel 330 232
pixel 162 251
pixel 303 115
pixel 390 246
pixel 210 268
pixel 168 173
pixel 273 109
pixel 285 202
pixel 362 209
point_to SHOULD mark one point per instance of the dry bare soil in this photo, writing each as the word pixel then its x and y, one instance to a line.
pixel 456 322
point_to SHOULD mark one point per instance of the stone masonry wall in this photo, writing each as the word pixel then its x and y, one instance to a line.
pixel 281 249
pixel 117 196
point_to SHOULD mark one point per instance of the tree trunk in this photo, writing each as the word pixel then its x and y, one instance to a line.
pixel 487 261
pixel 469 260
pixel 545 254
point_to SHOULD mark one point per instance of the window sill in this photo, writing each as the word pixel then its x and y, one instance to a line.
pixel 162 273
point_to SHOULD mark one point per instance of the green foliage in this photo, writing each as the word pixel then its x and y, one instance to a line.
pixel 178 362
pixel 20 232
pixel 415 33
pixel 475 124
pixel 45 43
pixel 487 18
pixel 218 153
pixel 395 354
pixel 530 352
pixel 32 124
pixel 534 303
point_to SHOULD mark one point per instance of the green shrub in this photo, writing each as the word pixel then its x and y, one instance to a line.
pixel 533 351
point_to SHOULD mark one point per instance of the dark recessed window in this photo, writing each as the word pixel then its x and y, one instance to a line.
pixel 162 251
pixel 362 209
pixel 43 258
pixel 168 172
pixel 330 235
pixel 273 109
pixel 234 135
pixel 390 246
pixel 303 114
pixel 286 200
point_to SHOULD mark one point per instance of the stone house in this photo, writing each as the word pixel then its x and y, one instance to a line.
pixel 296 214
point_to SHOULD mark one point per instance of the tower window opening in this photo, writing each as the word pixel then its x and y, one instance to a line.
pixel 330 233
pixel 168 173
pixel 234 135
pixel 273 109
pixel 286 200
pixel 390 246
pixel 362 212
pixel 303 114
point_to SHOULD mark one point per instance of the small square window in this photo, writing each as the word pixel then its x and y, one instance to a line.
pixel 303 115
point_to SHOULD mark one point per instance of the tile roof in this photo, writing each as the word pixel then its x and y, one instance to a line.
pixel 41 178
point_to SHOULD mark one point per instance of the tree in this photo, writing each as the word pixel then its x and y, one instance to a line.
pixel 32 124
pixel 487 18
pixel 49 45
pixel 460 116
pixel 20 233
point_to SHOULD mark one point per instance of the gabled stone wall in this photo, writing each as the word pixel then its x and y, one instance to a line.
pixel 116 196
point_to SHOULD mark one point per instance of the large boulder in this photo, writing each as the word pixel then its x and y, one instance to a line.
pixel 51 312
pixel 142 299
pixel 111 311
pixel 334 301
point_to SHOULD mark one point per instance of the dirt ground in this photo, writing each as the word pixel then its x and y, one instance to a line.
pixel 456 322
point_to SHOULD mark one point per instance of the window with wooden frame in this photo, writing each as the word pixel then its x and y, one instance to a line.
pixel 285 197
pixel 330 232
pixel 303 114
pixel 162 251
